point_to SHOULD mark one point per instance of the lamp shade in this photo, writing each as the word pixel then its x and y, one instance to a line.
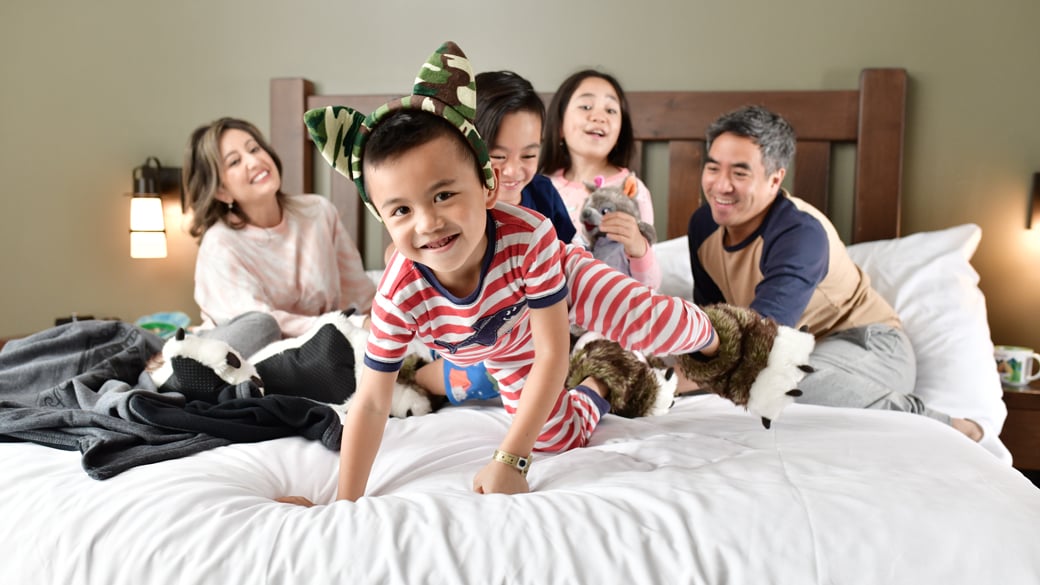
pixel 146 214
pixel 147 227
pixel 147 244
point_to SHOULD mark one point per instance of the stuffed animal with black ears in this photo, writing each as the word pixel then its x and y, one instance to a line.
pixel 602 200
pixel 322 365
pixel 758 365
pixel 637 385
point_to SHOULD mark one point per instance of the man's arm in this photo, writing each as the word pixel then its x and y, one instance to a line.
pixel 793 263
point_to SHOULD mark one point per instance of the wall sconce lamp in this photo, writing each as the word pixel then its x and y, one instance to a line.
pixel 147 226
pixel 1033 221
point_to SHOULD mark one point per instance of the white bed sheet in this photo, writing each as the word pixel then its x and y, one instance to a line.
pixel 702 494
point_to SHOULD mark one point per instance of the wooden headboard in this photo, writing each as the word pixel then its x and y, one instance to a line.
pixel 871 117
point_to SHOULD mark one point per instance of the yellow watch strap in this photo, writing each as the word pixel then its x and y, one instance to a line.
pixel 517 462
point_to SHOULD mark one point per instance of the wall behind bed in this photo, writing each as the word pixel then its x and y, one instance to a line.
pixel 90 89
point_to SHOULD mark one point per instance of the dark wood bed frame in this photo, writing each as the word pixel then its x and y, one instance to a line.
pixel 872 118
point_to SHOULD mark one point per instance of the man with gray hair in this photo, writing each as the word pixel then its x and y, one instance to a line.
pixel 755 245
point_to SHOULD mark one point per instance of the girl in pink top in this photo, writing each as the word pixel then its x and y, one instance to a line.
pixel 588 134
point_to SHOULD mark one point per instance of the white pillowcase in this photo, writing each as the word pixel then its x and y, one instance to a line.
pixel 928 279
pixel 673 256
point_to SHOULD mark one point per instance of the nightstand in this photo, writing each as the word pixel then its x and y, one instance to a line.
pixel 1021 432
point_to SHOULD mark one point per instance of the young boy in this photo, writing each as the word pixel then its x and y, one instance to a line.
pixel 480 282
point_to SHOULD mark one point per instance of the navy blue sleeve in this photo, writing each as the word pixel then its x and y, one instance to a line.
pixel 705 291
pixel 541 195
pixel 795 258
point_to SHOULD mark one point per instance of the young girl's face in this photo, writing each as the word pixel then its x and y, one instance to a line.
pixel 515 153
pixel 434 205
pixel 248 174
pixel 592 120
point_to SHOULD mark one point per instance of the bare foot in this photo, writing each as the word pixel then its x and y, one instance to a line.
pixel 968 427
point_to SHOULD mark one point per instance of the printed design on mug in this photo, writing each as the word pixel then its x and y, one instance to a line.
pixel 1016 365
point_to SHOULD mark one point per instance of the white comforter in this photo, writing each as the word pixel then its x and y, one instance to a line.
pixel 703 494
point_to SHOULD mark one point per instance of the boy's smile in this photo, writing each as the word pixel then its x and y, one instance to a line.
pixel 434 206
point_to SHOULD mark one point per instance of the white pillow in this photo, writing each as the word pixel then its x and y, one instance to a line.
pixel 928 278
pixel 673 257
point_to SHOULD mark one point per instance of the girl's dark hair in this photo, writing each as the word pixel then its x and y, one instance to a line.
pixel 201 175
pixel 500 93
pixel 554 152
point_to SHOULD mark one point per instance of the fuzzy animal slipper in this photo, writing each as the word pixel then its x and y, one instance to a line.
pixel 318 365
pixel 759 363
pixel 408 399
pixel 635 388
pixel 205 369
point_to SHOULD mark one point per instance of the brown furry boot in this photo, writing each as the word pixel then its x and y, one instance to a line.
pixel 635 389
pixel 758 365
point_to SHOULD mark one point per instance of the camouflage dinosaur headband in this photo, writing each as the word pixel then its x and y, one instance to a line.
pixel 445 86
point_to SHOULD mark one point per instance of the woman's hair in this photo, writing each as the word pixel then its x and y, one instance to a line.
pixel 770 131
pixel 500 93
pixel 201 175
pixel 554 152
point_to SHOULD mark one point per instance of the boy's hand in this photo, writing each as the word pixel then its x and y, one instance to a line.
pixel 297 500
pixel 499 478
pixel 758 364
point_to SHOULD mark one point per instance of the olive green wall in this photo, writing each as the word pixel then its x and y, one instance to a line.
pixel 89 89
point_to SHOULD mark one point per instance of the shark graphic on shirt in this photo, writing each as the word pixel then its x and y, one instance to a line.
pixel 486 330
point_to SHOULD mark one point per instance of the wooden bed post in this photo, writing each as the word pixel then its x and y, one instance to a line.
pixel 288 133
pixel 879 155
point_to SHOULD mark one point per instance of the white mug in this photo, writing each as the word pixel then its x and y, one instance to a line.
pixel 1016 364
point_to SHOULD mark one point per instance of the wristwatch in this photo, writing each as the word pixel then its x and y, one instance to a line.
pixel 517 462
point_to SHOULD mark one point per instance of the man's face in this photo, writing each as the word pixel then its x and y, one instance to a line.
pixel 736 185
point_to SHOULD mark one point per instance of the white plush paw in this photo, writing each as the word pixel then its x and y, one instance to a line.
pixel 777 384
pixel 216 355
pixel 667 382
pixel 408 401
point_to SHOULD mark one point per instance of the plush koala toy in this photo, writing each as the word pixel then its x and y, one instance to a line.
pixel 320 365
pixel 606 199
pixel 638 385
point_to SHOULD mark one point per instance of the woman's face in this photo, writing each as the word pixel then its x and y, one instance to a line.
pixel 515 153
pixel 248 175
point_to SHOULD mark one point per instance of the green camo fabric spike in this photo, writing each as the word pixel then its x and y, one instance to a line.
pixel 445 86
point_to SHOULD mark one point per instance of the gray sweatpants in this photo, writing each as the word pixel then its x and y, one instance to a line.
pixel 865 367
pixel 247 333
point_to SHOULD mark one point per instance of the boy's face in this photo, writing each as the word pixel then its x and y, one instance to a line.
pixel 434 206
pixel 514 153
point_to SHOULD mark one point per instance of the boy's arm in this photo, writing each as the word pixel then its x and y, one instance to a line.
pixel 550 327
pixel 363 431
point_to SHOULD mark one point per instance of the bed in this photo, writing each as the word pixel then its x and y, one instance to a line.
pixel 702 494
